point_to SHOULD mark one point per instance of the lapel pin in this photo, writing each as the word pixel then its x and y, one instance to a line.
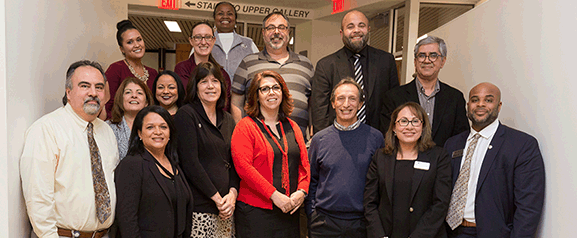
pixel 199 125
pixel 490 147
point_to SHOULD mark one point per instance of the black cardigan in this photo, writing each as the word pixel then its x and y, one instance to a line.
pixel 143 208
pixel 204 154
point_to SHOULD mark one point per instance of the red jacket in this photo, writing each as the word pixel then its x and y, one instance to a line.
pixel 253 158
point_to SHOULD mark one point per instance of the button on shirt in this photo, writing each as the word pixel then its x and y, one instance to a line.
pixel 427 101
pixel 57 175
pixel 483 144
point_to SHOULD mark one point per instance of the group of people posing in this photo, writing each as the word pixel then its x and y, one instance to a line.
pixel 223 147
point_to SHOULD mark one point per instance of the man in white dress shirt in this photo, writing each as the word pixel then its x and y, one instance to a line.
pixel 68 161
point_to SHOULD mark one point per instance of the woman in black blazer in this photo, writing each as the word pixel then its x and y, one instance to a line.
pixel 408 185
pixel 153 198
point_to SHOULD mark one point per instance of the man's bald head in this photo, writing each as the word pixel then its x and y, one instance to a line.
pixel 484 105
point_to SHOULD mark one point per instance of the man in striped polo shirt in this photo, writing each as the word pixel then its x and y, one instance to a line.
pixel 296 70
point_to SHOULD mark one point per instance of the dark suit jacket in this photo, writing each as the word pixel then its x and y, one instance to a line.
pixel 333 68
pixel 511 185
pixel 143 208
pixel 431 194
pixel 449 119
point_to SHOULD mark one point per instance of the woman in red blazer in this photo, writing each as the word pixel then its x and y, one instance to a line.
pixel 270 156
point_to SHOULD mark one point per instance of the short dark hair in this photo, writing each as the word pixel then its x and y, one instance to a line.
pixel 202 71
pixel 272 14
pixel 220 3
pixel 121 27
pixel 78 64
pixel 424 143
pixel 179 87
pixel 252 106
pixel 349 80
pixel 118 106
pixel 135 145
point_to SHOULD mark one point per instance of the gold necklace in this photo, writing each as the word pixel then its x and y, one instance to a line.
pixel 142 78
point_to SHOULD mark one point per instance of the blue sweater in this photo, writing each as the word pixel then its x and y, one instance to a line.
pixel 339 162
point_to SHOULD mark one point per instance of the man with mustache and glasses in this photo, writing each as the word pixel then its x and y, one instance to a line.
pixel 444 104
pixel 375 70
pixel 498 174
pixel 295 69
pixel 68 161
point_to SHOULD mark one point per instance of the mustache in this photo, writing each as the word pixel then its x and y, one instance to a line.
pixel 89 98
pixel 277 35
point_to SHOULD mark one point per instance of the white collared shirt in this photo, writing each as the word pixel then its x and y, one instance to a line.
pixel 56 172
pixel 483 145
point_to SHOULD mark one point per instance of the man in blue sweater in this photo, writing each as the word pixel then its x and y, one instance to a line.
pixel 339 157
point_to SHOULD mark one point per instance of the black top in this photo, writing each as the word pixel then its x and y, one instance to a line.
pixel 293 155
pixel 204 153
pixel 148 203
pixel 402 184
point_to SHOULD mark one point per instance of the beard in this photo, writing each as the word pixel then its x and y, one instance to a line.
pixel 356 46
pixel 483 122
pixel 276 46
pixel 91 109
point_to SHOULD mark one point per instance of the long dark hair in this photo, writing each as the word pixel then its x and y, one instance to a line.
pixel 202 71
pixel 252 106
pixel 179 87
pixel 135 145
pixel 118 107
pixel 210 58
pixel 424 143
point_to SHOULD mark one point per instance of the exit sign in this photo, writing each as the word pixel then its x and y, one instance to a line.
pixel 169 4
pixel 338 6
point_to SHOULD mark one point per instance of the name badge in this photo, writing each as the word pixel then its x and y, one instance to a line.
pixel 422 165
pixel 457 153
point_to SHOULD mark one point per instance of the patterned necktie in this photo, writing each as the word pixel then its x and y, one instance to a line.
pixel 459 197
pixel 362 113
pixel 98 181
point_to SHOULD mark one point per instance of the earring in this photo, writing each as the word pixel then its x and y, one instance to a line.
pixel 140 138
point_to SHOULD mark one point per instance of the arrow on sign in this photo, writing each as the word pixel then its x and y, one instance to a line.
pixel 188 3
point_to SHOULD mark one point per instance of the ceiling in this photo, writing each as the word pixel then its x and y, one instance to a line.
pixel 149 20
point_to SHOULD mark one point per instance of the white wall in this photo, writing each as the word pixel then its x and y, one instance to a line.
pixel 42 39
pixel 526 47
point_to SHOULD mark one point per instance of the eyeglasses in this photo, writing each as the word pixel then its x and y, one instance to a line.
pixel 405 122
pixel 280 28
pixel 199 38
pixel 266 89
pixel 432 57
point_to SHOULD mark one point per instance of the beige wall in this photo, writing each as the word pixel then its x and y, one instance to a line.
pixel 42 40
pixel 526 48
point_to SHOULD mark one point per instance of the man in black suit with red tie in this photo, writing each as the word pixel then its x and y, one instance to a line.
pixel 375 70
pixel 498 174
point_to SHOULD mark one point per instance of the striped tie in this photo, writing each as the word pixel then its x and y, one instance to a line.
pixel 460 191
pixel 362 113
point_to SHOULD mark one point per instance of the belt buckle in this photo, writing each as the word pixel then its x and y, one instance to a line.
pixel 75 233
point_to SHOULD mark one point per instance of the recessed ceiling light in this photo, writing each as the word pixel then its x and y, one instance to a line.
pixel 172 26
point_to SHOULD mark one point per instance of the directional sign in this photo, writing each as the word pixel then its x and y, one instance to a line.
pixel 251 9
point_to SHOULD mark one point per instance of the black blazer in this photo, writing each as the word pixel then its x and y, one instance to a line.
pixel 431 194
pixel 449 119
pixel 143 208
pixel 511 184
pixel 333 68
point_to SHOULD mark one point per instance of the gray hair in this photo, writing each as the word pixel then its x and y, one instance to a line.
pixel 349 80
pixel 77 64
pixel 272 14
pixel 432 40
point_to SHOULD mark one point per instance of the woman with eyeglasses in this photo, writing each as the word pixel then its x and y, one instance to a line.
pixel 230 47
pixel 408 186
pixel 270 156
pixel 202 41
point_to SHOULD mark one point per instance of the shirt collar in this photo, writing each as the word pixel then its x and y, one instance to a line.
pixel 347 128
pixel 422 89
pixel 75 117
pixel 350 53
pixel 263 55
pixel 487 132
